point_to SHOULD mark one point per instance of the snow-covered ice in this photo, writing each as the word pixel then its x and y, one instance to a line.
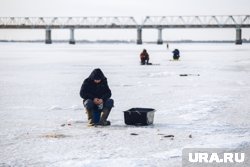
pixel 39 92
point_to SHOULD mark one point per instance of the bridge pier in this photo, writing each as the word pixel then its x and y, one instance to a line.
pixel 139 36
pixel 48 36
pixel 238 37
pixel 159 41
pixel 72 38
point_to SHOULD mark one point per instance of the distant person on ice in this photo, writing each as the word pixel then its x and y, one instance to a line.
pixel 96 98
pixel 167 46
pixel 176 54
pixel 144 57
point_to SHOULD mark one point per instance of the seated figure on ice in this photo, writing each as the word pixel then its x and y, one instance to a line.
pixel 176 54
pixel 96 98
pixel 144 56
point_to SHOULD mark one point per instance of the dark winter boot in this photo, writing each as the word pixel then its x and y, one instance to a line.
pixel 90 118
pixel 103 119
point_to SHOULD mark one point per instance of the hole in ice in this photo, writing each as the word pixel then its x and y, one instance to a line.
pixel 133 134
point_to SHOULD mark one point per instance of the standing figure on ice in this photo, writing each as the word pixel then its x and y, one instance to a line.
pixel 144 57
pixel 96 98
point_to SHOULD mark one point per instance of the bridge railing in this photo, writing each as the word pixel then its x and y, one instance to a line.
pixel 197 21
pixel 67 22
pixel 230 21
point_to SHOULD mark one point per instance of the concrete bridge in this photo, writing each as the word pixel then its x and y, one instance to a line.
pixel 150 22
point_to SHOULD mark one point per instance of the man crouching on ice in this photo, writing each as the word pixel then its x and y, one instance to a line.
pixel 96 98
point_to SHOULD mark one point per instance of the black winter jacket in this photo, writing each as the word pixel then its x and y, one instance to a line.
pixel 91 90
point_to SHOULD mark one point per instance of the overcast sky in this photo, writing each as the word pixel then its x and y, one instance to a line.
pixel 137 8
pixel 122 7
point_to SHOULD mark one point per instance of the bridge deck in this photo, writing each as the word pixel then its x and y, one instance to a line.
pixel 237 21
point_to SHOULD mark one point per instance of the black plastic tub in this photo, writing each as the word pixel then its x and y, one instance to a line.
pixel 139 116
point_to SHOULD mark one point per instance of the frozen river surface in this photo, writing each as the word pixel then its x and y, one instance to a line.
pixel 39 91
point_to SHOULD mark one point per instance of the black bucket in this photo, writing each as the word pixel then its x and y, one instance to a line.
pixel 139 116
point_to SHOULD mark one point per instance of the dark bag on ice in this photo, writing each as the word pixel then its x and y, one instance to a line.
pixel 139 116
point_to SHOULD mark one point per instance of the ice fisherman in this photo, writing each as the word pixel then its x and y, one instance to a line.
pixel 144 56
pixel 96 98
pixel 176 54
